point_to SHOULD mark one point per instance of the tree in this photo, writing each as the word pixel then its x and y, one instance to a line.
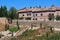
pixel 5 12
pixel 57 17
pixel 1 11
pixel 13 13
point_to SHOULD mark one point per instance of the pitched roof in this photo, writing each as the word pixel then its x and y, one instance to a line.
pixel 53 8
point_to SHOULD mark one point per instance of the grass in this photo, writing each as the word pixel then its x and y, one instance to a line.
pixel 31 35
pixel 55 36
pixel 26 33
pixel 14 29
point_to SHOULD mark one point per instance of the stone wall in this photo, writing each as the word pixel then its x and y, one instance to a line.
pixel 3 22
pixel 37 23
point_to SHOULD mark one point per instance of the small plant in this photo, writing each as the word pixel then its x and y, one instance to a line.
pixel 13 30
pixel 31 26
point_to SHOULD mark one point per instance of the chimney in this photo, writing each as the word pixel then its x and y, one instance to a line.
pixel 45 7
pixel 30 7
pixel 52 6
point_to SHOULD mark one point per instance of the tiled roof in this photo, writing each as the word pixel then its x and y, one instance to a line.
pixel 22 10
pixel 39 9
pixel 58 8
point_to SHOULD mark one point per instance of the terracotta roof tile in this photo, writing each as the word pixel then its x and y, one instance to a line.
pixel 39 9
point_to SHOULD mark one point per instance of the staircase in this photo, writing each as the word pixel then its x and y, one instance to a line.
pixel 23 29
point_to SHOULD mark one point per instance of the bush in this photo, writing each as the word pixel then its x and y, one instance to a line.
pixel 57 17
pixel 26 33
pixel 14 29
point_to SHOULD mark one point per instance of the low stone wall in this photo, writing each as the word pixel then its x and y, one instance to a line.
pixel 37 23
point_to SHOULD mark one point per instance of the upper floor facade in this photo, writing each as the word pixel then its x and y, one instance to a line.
pixel 38 14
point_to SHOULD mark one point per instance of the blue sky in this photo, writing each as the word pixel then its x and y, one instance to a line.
pixel 18 4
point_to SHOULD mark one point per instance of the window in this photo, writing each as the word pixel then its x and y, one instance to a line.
pixel 53 14
pixel 49 16
pixel 33 18
pixel 28 14
pixel 23 14
pixel 33 14
pixel 36 14
pixel 36 18
pixel 41 14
